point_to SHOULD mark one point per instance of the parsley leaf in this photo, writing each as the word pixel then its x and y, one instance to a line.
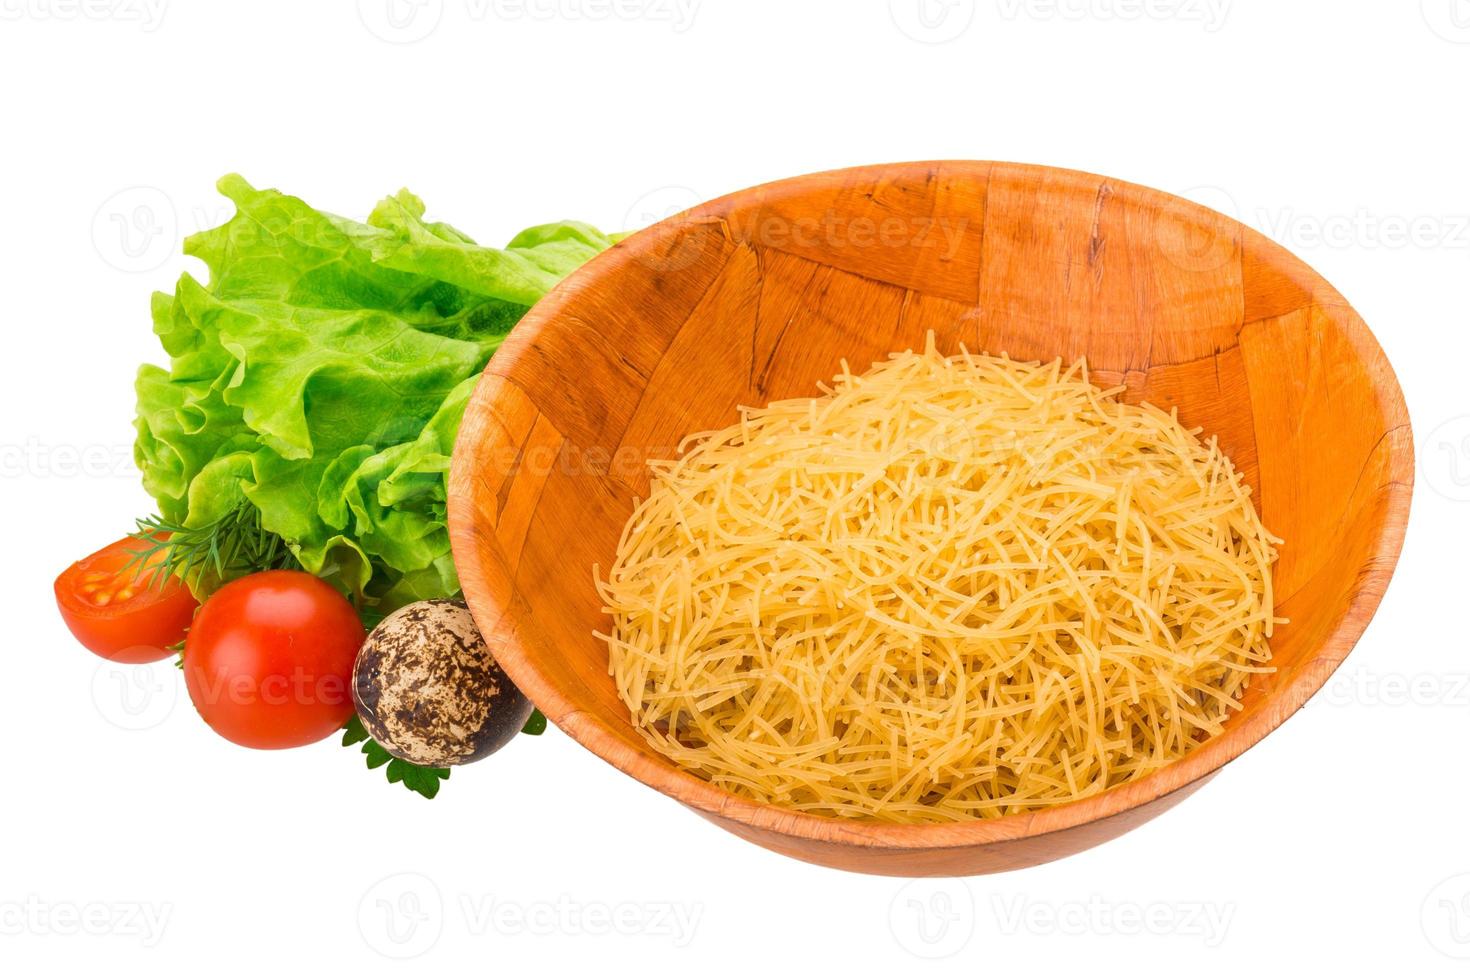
pixel 423 780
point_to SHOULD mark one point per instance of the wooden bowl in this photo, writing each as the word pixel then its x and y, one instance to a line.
pixel 758 295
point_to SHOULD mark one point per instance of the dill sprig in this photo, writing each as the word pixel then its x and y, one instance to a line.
pixel 206 556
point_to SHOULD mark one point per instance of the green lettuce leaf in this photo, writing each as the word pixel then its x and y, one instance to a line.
pixel 321 375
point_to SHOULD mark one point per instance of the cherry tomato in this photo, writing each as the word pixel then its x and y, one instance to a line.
pixel 269 660
pixel 123 615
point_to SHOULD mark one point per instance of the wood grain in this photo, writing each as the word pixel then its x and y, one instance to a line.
pixel 761 294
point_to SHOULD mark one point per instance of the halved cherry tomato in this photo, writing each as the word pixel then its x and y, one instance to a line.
pixel 123 615
pixel 269 660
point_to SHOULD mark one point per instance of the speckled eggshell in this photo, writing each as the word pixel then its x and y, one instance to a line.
pixel 428 688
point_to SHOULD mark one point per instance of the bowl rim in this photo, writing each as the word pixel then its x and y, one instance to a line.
pixel 519 657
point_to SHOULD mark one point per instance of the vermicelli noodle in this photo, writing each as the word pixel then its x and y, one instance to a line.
pixel 948 588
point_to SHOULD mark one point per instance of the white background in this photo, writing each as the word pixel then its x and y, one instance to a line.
pixel 1339 128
